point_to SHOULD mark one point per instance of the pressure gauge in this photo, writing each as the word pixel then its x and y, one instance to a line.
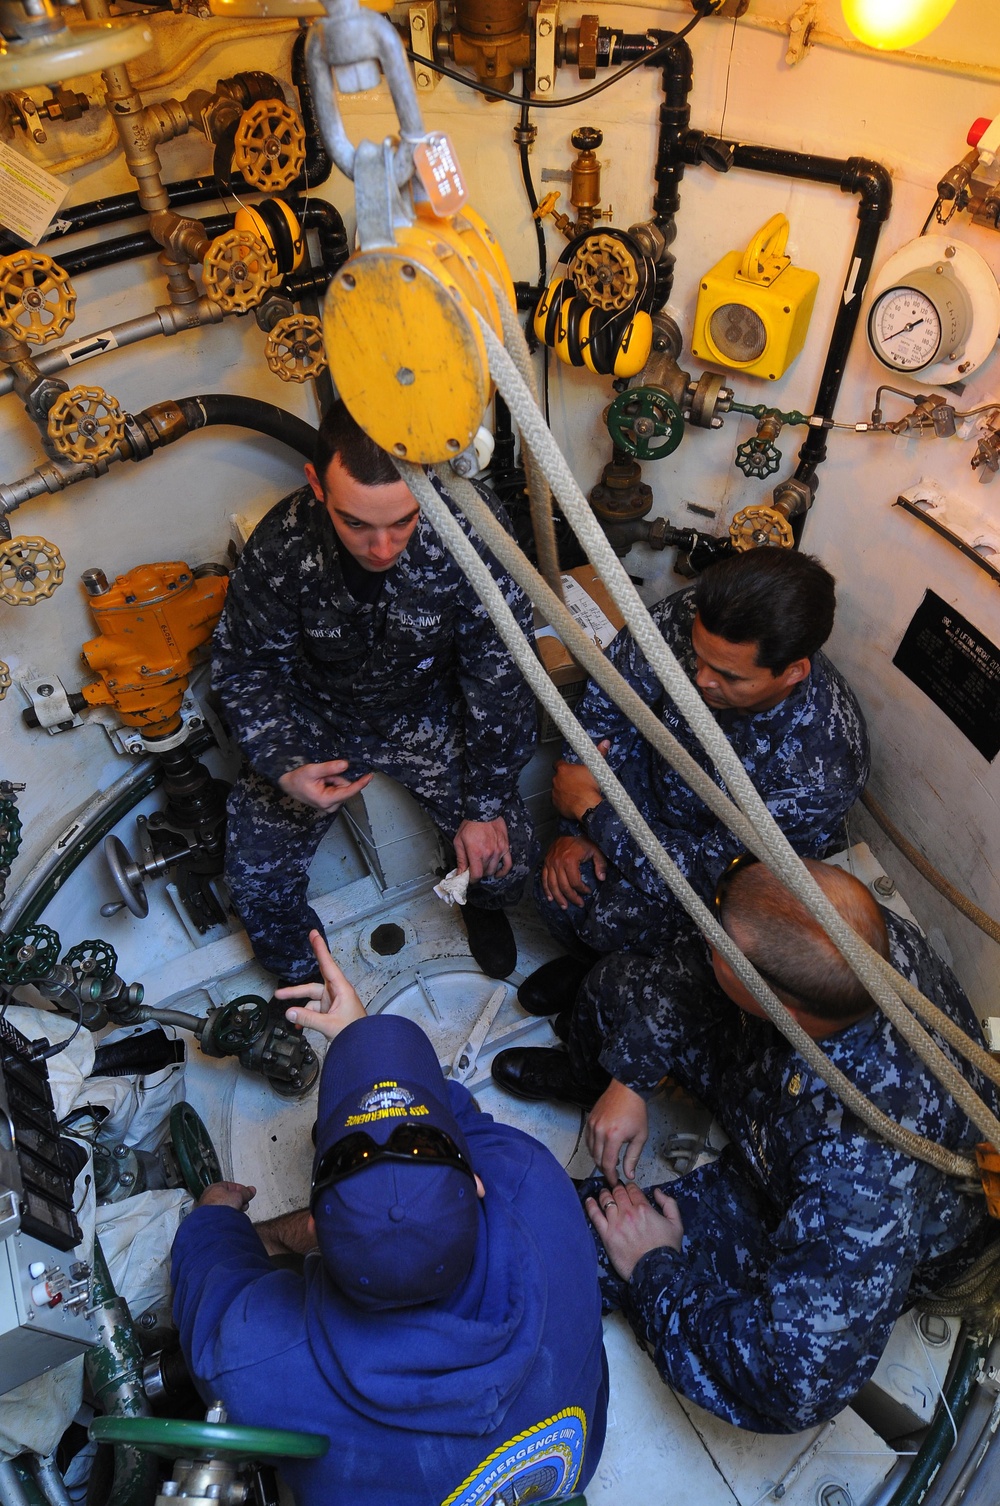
pixel 920 321
pixel 935 310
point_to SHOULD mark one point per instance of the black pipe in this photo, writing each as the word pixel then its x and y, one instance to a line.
pixel 855 175
pixel 313 214
pixel 249 413
pixel 677 81
pixel 315 171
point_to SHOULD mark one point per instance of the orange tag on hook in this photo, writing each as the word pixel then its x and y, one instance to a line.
pixel 439 174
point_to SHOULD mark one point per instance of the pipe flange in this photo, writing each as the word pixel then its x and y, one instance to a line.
pixel 30 570
pixel 709 397
pixel 760 527
pixel 36 297
pixel 294 349
pixel 86 423
pixel 270 146
pixel 238 270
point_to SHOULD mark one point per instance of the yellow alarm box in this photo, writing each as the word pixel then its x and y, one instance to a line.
pixel 754 307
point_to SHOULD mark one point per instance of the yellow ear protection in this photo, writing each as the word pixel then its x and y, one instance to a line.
pixel 573 322
pixel 278 228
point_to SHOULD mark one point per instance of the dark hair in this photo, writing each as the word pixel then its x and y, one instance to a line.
pixel 360 456
pixel 778 599
pixel 791 949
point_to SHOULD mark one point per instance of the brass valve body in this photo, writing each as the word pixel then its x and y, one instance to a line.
pixel 151 621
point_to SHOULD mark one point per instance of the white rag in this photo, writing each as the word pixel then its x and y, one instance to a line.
pixel 454 887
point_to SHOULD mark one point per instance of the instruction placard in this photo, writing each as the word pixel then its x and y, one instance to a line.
pixel 30 198
pixel 957 668
pixel 587 613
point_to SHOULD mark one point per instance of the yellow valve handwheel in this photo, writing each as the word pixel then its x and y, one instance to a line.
pixel 4 679
pixel 30 569
pixel 238 270
pixel 604 272
pixel 759 527
pixel 270 147
pixel 36 297
pixel 294 349
pixel 86 423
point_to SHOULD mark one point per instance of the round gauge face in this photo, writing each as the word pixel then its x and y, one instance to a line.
pixel 737 332
pixel 904 328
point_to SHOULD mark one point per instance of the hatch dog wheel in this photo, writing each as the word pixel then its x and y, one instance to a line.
pixel 30 569
pixel 270 146
pixel 605 272
pixel 238 270
pixel 760 527
pixel 294 349
pixel 36 297
pixel 86 423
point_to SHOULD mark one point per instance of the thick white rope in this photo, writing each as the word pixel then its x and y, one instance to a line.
pixel 466 556
pixel 602 671
pixel 781 857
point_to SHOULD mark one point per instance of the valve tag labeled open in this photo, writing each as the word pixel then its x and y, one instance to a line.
pixel 439 174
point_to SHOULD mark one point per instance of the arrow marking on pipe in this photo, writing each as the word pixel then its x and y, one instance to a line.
pixel 93 345
pixel 851 288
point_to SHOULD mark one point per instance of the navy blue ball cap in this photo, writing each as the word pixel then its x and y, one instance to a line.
pixel 392 1233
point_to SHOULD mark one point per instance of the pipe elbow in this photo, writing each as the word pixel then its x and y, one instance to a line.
pixel 872 182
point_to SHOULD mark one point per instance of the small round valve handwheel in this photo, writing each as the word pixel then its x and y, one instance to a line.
pixel 92 959
pixel 760 527
pixel 192 1145
pixel 234 1026
pixel 29 954
pixel 605 272
pixel 270 146
pixel 4 682
pixel 294 349
pixel 646 423
pixel 172 1438
pixel 10 833
pixel 127 875
pixel 30 569
pixel 36 297
pixel 757 457
pixel 86 423
pixel 238 270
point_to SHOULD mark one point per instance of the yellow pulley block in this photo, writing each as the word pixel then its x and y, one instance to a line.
pixel 405 349
pixel 754 307
pixel 36 297
pixel 85 423
pixel 30 569
pixel 760 527
pixel 238 270
pixel 294 349
pixel 270 145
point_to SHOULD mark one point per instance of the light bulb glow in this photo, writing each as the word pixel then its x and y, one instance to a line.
pixel 890 24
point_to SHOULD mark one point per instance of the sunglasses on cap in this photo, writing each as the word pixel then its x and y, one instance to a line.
pixel 415 1144
pixel 741 861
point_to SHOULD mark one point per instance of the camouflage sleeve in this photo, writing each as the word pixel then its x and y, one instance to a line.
pixel 254 657
pixel 500 716
pixel 598 714
pixel 789 1346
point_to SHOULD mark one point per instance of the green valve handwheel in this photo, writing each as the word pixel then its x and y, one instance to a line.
pixel 646 423
pixel 10 832
pixel 192 1145
pixel 92 959
pixel 173 1438
pixel 28 955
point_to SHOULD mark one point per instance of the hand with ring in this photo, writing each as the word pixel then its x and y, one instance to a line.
pixel 629 1226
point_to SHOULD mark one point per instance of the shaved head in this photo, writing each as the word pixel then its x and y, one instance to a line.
pixel 792 951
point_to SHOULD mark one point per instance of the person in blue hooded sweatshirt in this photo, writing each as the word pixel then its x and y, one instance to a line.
pixel 445 1333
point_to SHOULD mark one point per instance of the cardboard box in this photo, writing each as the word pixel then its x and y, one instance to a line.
pixel 591 605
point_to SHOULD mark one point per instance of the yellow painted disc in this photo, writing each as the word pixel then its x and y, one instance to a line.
pixel 406 353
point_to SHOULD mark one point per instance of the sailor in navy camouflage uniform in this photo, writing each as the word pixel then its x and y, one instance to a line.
pixel 807 751
pixel 768 1294
pixel 333 646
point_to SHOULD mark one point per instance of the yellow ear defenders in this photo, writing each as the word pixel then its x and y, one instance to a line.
pixel 278 228
pixel 582 317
